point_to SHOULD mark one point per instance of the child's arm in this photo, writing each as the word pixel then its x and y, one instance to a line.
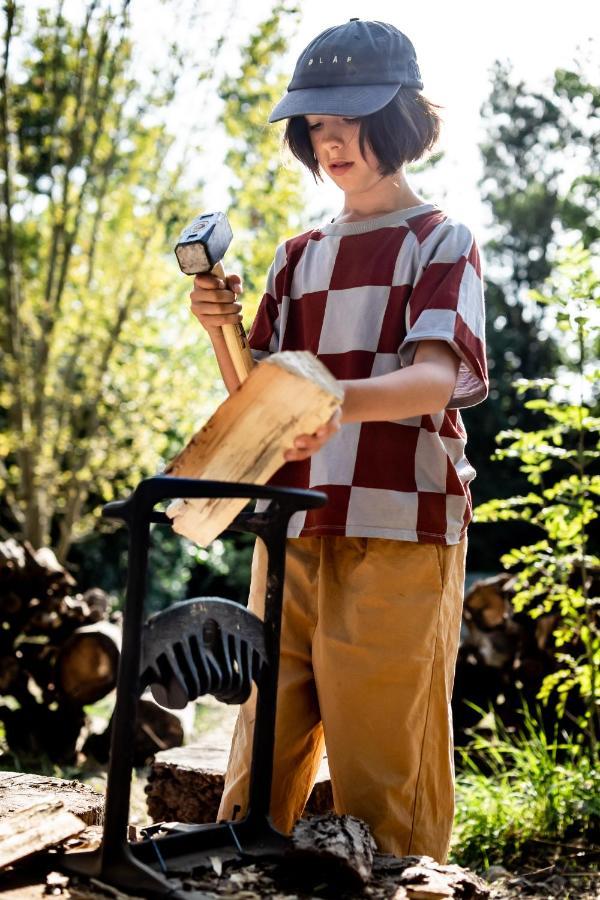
pixel 215 305
pixel 425 387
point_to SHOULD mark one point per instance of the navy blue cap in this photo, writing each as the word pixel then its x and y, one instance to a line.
pixel 350 70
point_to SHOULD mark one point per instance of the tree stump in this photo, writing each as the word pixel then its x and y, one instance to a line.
pixel 186 784
pixel 19 791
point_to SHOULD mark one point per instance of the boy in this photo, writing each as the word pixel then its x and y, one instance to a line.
pixel 389 296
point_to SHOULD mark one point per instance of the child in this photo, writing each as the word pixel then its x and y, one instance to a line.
pixel 389 296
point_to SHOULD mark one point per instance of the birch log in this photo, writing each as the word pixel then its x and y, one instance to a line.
pixel 286 394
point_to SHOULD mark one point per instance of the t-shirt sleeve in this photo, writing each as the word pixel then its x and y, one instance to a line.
pixel 447 304
pixel 264 334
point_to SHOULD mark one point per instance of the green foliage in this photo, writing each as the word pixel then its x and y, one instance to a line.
pixel 541 181
pixel 266 196
pixel 102 378
pixel 559 573
pixel 515 794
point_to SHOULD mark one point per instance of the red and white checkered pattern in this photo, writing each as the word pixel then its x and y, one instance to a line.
pixel 360 296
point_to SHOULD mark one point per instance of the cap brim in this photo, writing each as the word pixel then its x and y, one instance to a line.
pixel 345 100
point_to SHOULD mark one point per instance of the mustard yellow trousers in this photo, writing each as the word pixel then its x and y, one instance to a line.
pixel 368 649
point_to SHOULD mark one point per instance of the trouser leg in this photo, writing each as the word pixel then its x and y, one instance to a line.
pixel 298 731
pixel 384 654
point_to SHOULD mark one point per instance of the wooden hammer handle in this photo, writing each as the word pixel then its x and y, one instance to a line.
pixel 235 339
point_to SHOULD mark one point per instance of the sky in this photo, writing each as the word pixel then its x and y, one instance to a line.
pixel 456 45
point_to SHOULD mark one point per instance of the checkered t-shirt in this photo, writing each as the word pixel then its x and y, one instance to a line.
pixel 360 296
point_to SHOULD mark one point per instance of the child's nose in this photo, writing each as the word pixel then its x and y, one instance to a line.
pixel 332 137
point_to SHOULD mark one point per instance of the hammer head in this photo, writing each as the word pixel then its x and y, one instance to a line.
pixel 203 243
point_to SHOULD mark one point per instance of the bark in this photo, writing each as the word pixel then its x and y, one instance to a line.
pixel 186 784
pixel 333 848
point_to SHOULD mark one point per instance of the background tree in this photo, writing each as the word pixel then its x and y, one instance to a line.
pixel 541 181
pixel 266 202
pixel 266 193
pixel 92 316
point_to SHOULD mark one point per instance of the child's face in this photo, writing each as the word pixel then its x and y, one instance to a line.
pixel 335 142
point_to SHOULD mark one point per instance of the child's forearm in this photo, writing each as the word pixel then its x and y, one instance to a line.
pixel 420 389
pixel 226 367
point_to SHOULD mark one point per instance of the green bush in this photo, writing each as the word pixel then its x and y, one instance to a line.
pixel 518 795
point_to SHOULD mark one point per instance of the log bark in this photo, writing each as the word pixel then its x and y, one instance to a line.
pixel 39 617
pixel 287 394
pixel 19 791
pixel 186 784
pixel 34 828
pixel 336 849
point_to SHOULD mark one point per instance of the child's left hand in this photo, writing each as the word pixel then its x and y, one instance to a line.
pixel 305 445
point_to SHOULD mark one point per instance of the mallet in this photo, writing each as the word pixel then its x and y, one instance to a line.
pixel 200 248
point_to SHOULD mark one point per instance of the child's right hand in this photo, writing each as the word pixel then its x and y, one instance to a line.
pixel 214 301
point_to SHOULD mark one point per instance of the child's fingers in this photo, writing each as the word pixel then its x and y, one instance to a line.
pixel 234 283
pixel 307 444
pixel 220 298
pixel 209 282
pixel 213 315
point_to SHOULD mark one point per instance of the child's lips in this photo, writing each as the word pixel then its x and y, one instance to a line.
pixel 340 167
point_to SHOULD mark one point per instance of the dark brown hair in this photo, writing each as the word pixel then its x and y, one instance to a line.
pixel 401 132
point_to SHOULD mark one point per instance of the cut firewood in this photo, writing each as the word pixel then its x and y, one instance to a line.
pixel 34 828
pixel 186 784
pixel 336 849
pixel 287 394
pixel 20 791
pixel 87 663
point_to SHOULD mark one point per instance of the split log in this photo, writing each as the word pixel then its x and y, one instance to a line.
pixel 336 849
pixel 34 828
pixel 88 661
pixel 19 791
pixel 287 394
pixel 186 784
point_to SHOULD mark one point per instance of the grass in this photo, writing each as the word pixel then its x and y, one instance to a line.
pixel 526 800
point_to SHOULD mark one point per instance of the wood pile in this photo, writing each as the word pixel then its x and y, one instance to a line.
pixel 59 651
pixel 503 659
